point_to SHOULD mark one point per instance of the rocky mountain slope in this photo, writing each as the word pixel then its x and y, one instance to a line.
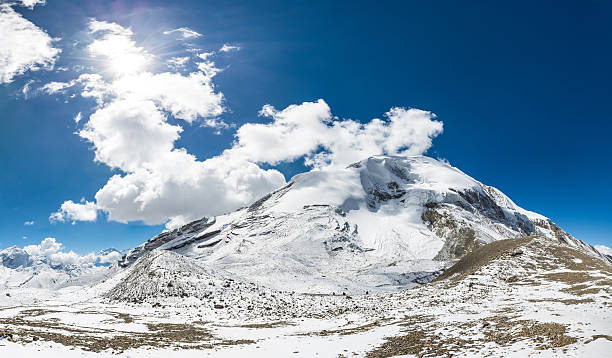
pixel 377 225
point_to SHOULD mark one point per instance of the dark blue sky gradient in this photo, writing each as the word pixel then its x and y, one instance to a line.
pixel 523 89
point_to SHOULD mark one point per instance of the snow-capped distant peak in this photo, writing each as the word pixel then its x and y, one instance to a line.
pixel 46 265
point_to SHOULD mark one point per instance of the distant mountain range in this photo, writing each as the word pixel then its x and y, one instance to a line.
pixel 20 268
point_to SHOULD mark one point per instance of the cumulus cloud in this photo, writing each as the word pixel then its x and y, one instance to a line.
pixel 229 48
pixel 47 247
pixel 130 131
pixel 604 249
pixel 309 130
pixel 181 188
pixel 29 223
pixel 130 134
pixel 184 32
pixel 185 97
pixel 52 250
pixel 71 211
pixel 166 183
pixel 32 3
pixel 23 46
pixel 140 116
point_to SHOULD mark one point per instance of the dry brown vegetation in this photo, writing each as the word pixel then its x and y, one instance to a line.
pixel 423 341
pixel 344 331
pixel 480 257
pixel 267 324
pixel 161 335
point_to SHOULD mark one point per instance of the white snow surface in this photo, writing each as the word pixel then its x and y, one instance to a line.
pixel 532 300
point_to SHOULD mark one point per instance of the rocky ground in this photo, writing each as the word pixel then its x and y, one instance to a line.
pixel 519 297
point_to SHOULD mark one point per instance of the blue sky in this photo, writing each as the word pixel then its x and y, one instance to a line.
pixel 523 91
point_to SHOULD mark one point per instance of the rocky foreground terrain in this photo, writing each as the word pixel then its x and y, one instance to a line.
pixel 522 297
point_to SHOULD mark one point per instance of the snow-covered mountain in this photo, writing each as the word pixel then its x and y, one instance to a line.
pixel 379 224
pixel 43 266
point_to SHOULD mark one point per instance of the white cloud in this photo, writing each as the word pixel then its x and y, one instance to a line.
pixel 206 55
pixel 56 87
pixel 107 258
pixel 181 188
pixel 132 130
pixel 130 134
pixel 47 247
pixel 109 27
pixel 207 66
pixel 50 249
pixel 177 63
pixel 228 48
pixel 94 86
pixel 166 183
pixel 185 97
pixel 186 33
pixel 32 3
pixel 71 211
pixel 176 222
pixel 27 88
pixel 78 118
pixel 604 249
pixel 162 182
pixel 310 130
pixel 28 223
pixel 129 131
pixel 23 46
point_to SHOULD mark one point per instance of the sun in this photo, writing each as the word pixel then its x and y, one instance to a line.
pixel 127 63
pixel 121 55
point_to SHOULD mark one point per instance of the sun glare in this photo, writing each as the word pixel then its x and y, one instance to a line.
pixel 127 63
pixel 122 55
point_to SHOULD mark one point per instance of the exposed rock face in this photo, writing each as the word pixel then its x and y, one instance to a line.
pixel 189 230
pixel 459 239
